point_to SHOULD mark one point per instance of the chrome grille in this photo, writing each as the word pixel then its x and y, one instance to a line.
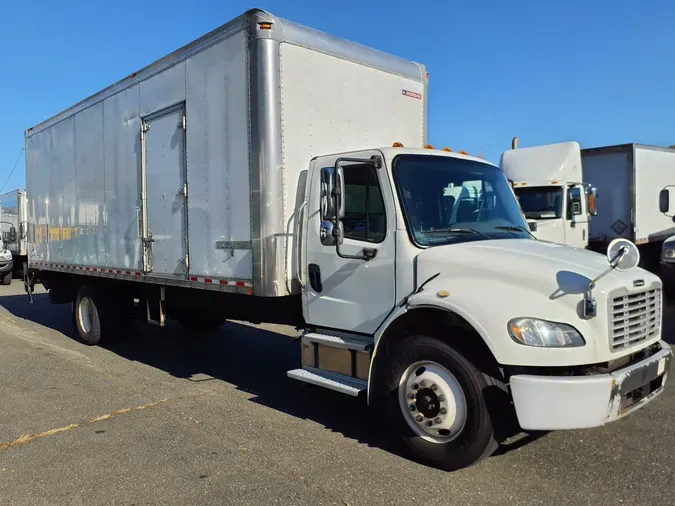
pixel 634 318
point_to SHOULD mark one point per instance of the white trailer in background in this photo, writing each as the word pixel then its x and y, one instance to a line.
pixel 629 178
pixel 13 223
pixel 244 176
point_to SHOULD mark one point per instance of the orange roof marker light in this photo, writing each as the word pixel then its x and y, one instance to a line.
pixel 397 145
pixel 463 153
pixel 428 146
pixel 447 150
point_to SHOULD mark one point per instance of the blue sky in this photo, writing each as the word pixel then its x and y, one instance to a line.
pixel 599 72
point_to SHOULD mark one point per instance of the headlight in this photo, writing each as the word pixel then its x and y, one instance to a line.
pixel 668 254
pixel 533 332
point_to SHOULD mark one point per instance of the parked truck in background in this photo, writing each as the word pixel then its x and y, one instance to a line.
pixel 272 173
pixel 558 185
pixel 549 184
pixel 13 222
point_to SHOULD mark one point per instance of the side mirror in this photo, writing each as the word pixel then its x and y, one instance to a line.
pixel 332 206
pixel 332 194
pixel 664 200
pixel 592 201
pixel 12 234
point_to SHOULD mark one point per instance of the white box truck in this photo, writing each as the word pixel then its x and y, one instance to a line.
pixel 243 176
pixel 558 184
pixel 13 222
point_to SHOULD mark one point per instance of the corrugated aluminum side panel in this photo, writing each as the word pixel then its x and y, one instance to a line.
pixel 122 157
pixel 83 172
pixel 332 105
pixel 219 217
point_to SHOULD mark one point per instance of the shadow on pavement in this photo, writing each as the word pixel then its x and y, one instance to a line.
pixel 255 360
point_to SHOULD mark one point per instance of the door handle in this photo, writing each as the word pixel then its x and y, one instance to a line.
pixel 315 277
pixel 138 222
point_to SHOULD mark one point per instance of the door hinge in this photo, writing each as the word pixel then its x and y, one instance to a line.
pixel 187 262
pixel 145 127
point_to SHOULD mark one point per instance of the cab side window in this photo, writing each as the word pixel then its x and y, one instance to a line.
pixel 365 219
pixel 573 202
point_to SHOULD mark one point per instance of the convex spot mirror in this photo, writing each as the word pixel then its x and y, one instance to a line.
pixel 623 255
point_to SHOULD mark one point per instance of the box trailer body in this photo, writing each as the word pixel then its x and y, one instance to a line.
pixel 188 170
pixel 629 178
pixel 272 173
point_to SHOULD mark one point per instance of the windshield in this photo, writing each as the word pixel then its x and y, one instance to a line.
pixel 540 203
pixel 447 200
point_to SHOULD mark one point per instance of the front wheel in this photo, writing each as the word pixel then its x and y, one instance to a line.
pixel 434 402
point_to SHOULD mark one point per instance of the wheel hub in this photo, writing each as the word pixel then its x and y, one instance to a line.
pixel 427 403
pixel 432 401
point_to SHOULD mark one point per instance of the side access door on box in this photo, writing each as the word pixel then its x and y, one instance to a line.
pixel 164 193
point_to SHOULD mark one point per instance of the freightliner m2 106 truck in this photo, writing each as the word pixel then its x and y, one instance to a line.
pixel 244 177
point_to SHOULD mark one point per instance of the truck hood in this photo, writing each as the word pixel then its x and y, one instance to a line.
pixel 490 282
pixel 547 267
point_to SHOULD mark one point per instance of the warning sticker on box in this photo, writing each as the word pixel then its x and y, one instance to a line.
pixel 412 94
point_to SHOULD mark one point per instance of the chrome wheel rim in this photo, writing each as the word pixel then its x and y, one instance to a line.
pixel 85 314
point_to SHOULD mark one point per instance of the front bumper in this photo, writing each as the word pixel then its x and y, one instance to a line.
pixel 6 266
pixel 577 402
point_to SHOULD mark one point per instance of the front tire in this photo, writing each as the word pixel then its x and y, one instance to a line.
pixel 433 400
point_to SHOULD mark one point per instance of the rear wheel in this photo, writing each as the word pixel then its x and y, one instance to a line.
pixel 101 314
pixel 433 400
pixel 7 279
pixel 88 320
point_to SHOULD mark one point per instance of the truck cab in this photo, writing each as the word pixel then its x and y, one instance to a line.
pixel 423 288
pixel 548 182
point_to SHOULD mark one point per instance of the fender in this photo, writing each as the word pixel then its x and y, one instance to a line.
pixel 428 299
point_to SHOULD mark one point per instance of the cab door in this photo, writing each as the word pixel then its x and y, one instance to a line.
pixel 355 289
pixel 576 219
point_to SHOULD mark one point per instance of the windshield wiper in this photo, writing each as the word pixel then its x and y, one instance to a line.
pixel 456 231
pixel 515 228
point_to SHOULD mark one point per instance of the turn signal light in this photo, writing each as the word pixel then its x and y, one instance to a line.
pixel 265 26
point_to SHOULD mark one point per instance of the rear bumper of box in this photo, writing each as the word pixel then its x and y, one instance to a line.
pixel 576 402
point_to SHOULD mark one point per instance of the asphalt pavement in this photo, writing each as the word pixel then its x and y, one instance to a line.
pixel 165 417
